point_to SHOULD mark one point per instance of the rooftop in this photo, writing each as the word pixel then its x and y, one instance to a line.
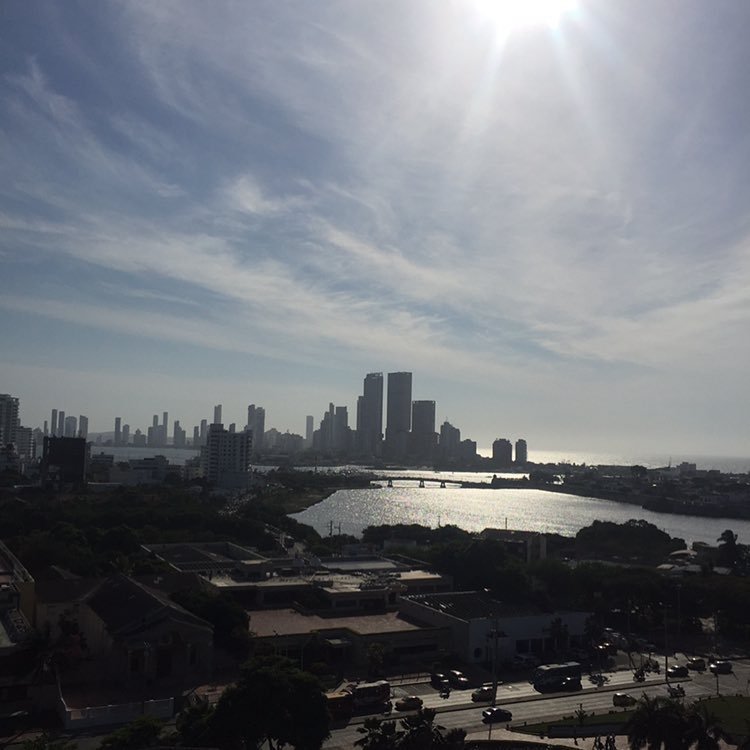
pixel 466 605
pixel 271 622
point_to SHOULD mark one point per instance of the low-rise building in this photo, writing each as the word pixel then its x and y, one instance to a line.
pixel 480 624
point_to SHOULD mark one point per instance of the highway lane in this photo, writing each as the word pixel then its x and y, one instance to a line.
pixel 530 707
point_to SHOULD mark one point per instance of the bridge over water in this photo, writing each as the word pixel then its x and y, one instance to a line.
pixel 421 481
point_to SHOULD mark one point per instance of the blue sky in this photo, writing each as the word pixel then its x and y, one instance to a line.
pixel 261 202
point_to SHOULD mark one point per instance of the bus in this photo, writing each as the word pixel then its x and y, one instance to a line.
pixel 554 673
pixel 371 693
pixel 340 705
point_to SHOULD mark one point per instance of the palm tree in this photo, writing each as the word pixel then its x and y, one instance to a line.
pixel 703 729
pixel 656 721
pixel 420 731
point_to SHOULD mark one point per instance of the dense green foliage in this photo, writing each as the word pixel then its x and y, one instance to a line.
pixel 100 534
pixel 417 732
pixel 635 540
pixel 274 702
pixel 631 596
pixel 659 721
pixel 138 735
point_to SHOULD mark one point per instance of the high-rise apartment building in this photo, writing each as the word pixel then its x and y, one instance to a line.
pixel 179 439
pixel 196 436
pixel 370 415
pixel 125 435
pixel 204 431
pixel 522 453
pixel 217 414
pixel 53 423
pixel 398 414
pixel 118 430
pixel 83 426
pixel 423 435
pixel 164 428
pixel 340 436
pixel 309 429
pixel 259 428
pixel 9 420
pixel 60 423
pixel 226 457
pixel 450 441
pixel 71 427
pixel 502 453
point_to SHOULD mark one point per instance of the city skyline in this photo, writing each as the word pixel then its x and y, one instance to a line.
pixel 546 220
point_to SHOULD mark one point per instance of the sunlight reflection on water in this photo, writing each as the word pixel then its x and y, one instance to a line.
pixel 477 509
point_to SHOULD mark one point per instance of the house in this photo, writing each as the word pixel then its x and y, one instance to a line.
pixel 128 648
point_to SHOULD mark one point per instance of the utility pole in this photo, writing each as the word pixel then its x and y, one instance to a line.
pixel 666 649
pixel 494 634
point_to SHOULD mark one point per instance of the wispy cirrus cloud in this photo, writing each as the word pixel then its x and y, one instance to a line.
pixel 387 186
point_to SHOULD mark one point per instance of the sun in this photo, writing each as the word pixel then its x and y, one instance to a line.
pixel 509 15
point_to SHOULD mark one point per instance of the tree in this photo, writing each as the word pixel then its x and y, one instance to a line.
pixel 420 731
pixel 139 734
pixel 655 722
pixel 660 721
pixel 703 729
pixel 273 702
pixel 375 659
pixel 728 550
pixel 47 742
pixel 378 735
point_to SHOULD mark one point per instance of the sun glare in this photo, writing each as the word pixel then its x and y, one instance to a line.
pixel 508 15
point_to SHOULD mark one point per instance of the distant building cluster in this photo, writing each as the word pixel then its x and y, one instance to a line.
pixel 389 426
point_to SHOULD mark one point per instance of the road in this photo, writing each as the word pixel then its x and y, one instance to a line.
pixel 529 707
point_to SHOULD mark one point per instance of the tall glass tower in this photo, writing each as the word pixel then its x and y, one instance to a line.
pixel 398 414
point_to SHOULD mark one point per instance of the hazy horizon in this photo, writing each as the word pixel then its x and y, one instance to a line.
pixel 548 223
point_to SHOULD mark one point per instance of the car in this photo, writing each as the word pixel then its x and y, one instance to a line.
pixel 678 670
pixel 697 664
pixel 409 703
pixel 623 699
pixel 720 667
pixel 483 693
pixel 494 714
pixel 458 679
pixel 437 679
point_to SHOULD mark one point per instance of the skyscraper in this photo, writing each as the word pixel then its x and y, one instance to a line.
pixel 60 424
pixel 370 415
pixel 9 421
pixel 164 428
pixel 83 426
pixel 118 431
pixel 502 452
pixel 53 423
pixel 309 429
pixel 71 427
pixel 398 414
pixel 217 414
pixel 423 435
pixel 125 437
pixel 259 428
pixel 522 454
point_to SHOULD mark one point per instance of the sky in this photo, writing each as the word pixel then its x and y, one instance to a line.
pixel 548 223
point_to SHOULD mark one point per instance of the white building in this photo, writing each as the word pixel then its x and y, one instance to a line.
pixel 226 457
